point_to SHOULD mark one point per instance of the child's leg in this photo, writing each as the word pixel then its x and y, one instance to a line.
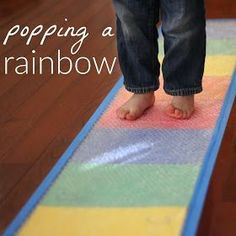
pixel 137 51
pixel 183 27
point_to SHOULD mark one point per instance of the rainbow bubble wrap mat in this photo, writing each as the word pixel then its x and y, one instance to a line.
pixel 138 178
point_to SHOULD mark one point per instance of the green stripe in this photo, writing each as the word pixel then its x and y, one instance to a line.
pixel 123 186
pixel 215 47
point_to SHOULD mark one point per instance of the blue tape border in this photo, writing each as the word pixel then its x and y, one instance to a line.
pixel 14 226
pixel 197 202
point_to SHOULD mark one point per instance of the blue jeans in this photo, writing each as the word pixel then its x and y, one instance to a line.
pixel 183 29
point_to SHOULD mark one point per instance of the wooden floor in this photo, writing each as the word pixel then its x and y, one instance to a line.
pixel 40 115
pixel 219 214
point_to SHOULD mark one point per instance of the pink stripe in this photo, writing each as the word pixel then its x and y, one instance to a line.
pixel 205 116
pixel 208 104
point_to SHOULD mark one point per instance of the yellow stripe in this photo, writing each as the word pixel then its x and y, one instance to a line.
pixel 55 221
pixel 218 65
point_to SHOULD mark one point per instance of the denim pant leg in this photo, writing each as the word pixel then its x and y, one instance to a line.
pixel 183 28
pixel 137 43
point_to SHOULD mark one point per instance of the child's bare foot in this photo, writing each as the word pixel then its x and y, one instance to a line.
pixel 182 107
pixel 135 106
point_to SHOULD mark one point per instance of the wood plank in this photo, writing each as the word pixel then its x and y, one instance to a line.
pixel 16 47
pixel 9 82
pixel 23 120
pixel 220 8
pixel 219 213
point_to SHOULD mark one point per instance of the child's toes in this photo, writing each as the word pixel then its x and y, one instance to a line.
pixel 170 109
pixel 132 115
pixel 189 114
pixel 174 112
pixel 185 115
pixel 178 114
pixel 122 112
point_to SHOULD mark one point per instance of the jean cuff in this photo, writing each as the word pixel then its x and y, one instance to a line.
pixel 141 90
pixel 184 91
